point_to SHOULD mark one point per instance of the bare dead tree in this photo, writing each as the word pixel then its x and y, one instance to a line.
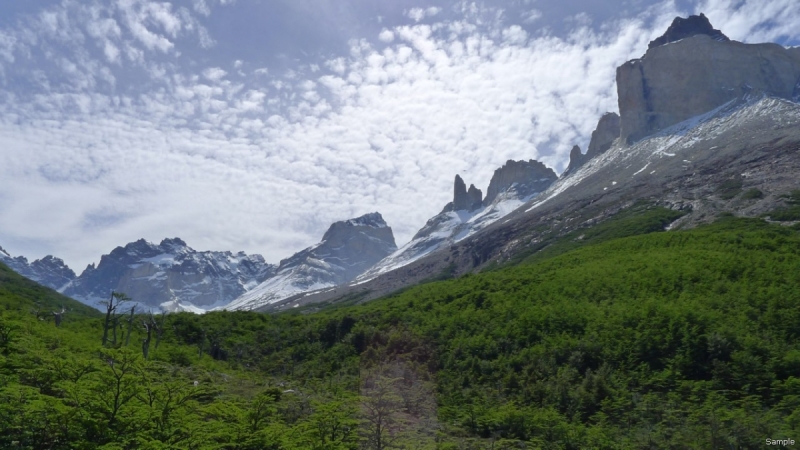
pixel 38 312
pixel 113 303
pixel 148 328
pixel 160 328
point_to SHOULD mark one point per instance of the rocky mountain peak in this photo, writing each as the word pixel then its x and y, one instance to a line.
pixel 604 135
pixel 464 199
pixel 576 160
pixel 48 271
pixel 172 271
pixel 347 250
pixel 526 177
pixel 368 233
pixel 683 28
pixel 607 131
pixel 172 244
pixel 374 220
pixel 694 75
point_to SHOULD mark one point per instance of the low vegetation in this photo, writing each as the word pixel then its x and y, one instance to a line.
pixel 686 339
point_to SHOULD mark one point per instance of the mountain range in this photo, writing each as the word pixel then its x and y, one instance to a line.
pixel 706 125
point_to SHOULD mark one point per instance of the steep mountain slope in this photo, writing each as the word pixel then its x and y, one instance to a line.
pixel 48 271
pixel 511 186
pixel 170 275
pixel 698 155
pixel 21 293
pixel 347 249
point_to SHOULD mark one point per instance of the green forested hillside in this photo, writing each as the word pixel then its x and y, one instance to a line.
pixel 18 292
pixel 686 339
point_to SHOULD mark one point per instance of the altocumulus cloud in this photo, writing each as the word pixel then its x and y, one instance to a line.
pixel 110 132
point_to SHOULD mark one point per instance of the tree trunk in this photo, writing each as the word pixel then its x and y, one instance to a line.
pixel 130 326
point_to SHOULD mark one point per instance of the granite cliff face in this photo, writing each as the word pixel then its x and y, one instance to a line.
pixel 347 249
pixel 170 274
pixel 463 199
pixel 524 177
pixel 48 271
pixel 607 131
pixel 676 81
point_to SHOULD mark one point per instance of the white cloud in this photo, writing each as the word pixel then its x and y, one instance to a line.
pixel 386 36
pixel 418 14
pixel 214 73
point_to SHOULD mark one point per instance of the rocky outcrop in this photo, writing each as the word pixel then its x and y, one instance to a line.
pixel 607 131
pixel 525 177
pixel 463 199
pixel 347 250
pixel 170 272
pixel 576 160
pixel 675 82
pixel 684 28
pixel 475 197
pixel 48 271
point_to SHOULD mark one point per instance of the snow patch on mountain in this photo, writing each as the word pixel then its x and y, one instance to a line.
pixel 677 140
pixel 347 249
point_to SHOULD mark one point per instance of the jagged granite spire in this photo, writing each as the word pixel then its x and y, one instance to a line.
pixel 464 199
pixel 607 131
pixel 576 160
pixel 691 26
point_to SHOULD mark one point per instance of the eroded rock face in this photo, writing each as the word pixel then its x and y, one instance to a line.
pixel 526 177
pixel 347 250
pixel 691 26
pixel 607 131
pixel 675 82
pixel 48 271
pixel 475 197
pixel 170 271
pixel 576 160
pixel 463 199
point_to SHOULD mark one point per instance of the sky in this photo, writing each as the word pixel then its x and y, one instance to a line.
pixel 252 125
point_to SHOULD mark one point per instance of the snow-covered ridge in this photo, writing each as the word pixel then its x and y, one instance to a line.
pixel 641 159
pixel 347 249
pixel 447 228
pixel 48 271
pixel 170 275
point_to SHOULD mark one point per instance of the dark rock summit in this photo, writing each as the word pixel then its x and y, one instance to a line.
pixel 673 83
pixel 604 135
pixel 525 177
pixel 684 28
pixel 350 246
pixel 576 160
pixel 464 199
pixel 170 272
pixel 607 131
pixel 48 271
pixel 347 250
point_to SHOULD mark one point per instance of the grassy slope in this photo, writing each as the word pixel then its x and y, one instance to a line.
pixel 20 293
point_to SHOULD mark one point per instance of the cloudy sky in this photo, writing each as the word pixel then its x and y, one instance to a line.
pixel 253 124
